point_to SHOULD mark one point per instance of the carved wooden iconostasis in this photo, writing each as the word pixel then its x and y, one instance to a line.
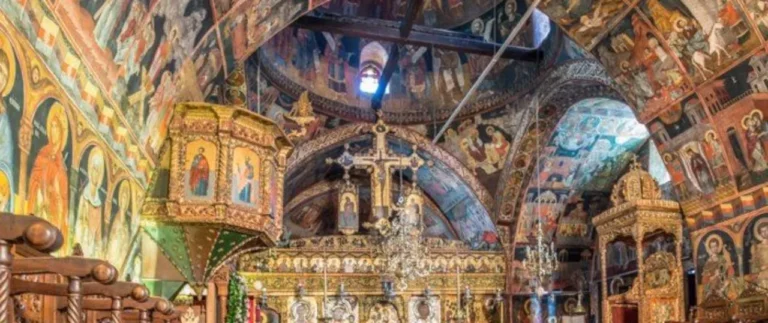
pixel 294 277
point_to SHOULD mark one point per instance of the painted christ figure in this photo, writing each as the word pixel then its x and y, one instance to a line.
pixel 198 174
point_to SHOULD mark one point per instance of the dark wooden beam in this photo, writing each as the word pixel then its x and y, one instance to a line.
pixel 389 31
pixel 414 7
pixel 386 75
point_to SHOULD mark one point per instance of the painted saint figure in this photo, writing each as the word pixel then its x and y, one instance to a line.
pixel 718 269
pixel 246 182
pixel 198 174
pixel 121 230
pixel 6 140
pixel 755 135
pixel 48 195
pixel 88 231
pixel 348 221
pixel 759 250
pixel 700 170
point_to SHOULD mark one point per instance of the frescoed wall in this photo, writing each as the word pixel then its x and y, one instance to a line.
pixel 56 164
pixel 589 149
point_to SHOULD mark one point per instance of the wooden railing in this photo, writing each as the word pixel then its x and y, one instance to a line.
pixel 90 285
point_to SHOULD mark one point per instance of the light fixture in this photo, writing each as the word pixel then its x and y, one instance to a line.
pixel 541 260
pixel 404 246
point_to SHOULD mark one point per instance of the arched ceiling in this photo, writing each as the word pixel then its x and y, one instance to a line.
pixel 314 212
pixel 449 186
pixel 435 13
pixel 427 84
pixel 125 63
pixel 589 149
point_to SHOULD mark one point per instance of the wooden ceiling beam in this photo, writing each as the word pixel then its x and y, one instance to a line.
pixel 414 7
pixel 388 31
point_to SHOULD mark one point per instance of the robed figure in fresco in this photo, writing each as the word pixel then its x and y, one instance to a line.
pixel 755 134
pixel 48 195
pixel 759 250
pixel 88 231
pixel 701 171
pixel 121 229
pixel 348 221
pixel 246 182
pixel 718 270
pixel 198 174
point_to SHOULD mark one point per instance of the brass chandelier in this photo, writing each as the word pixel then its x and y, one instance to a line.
pixel 403 246
pixel 541 260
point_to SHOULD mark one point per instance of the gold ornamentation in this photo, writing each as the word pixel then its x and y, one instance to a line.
pixel 637 211
pixel 222 129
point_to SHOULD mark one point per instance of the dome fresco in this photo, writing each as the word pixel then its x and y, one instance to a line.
pixel 679 82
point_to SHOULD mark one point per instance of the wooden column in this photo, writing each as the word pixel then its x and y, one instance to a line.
pixel 74 300
pixel 117 309
pixel 210 304
pixel 5 281
pixel 34 232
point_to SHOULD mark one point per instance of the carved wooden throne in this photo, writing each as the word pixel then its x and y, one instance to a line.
pixel 638 213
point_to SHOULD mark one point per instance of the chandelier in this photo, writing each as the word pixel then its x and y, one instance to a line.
pixel 541 260
pixel 403 245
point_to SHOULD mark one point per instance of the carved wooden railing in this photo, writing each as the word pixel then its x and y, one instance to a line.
pixel 85 278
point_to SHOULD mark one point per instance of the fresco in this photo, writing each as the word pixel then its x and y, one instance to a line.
pixel 140 54
pixel 643 69
pixel 583 20
pixel 199 177
pixel 705 35
pixel 436 13
pixel 48 166
pixel 328 65
pixel 755 264
pixel 90 223
pixel 320 216
pixel 75 179
pixel 11 105
pixel 716 266
pixel 589 149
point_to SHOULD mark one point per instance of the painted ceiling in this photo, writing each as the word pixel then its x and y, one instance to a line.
pixel 589 149
pixel 125 63
pixel 679 64
pixel 452 198
pixel 427 84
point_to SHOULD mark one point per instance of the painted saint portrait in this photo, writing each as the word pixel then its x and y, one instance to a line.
pixel 698 169
pixel 383 313
pixel 245 175
pixel 200 176
pixel 756 251
pixel 716 269
pixel 423 310
pixel 89 221
pixel 49 162
pixel 11 103
pixel 342 310
pixel 123 224
pixel 756 132
pixel 349 221
pixel 302 310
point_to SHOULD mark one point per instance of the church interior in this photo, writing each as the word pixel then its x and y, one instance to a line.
pixel 383 161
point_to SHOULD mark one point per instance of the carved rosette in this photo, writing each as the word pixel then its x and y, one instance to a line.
pixel 222 188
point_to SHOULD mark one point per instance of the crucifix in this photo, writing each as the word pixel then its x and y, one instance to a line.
pixel 379 161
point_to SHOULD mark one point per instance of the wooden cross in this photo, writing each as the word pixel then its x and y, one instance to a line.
pixel 379 161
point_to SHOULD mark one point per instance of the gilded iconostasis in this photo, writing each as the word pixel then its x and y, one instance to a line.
pixel 88 89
